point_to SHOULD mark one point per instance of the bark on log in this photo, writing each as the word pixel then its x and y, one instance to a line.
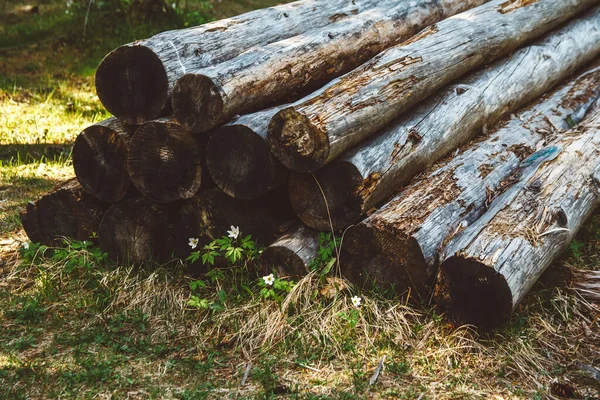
pixel 356 105
pixel 490 266
pixel 67 211
pixel 165 161
pixel 373 171
pixel 206 99
pixel 400 243
pixel 100 159
pixel 134 82
pixel 291 254
pixel 239 159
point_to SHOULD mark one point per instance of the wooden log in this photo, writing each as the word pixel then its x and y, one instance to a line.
pixel 165 161
pixel 239 159
pixel 67 211
pixel 206 99
pixel 490 266
pixel 291 254
pixel 353 107
pixel 399 244
pixel 134 82
pixel 369 174
pixel 100 159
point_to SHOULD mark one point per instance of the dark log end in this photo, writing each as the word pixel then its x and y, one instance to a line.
pixel 296 142
pixel 164 162
pixel 337 182
pixel 240 163
pixel 281 261
pixel 470 292
pixel 132 84
pixel 376 258
pixel 100 163
pixel 198 103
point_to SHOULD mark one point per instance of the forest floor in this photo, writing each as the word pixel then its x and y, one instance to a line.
pixel 74 325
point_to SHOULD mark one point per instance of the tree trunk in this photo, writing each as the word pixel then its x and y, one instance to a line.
pixel 100 159
pixel 373 171
pixel 291 254
pixel 358 104
pixel 135 81
pixel 400 243
pixel 239 159
pixel 165 161
pixel 490 266
pixel 65 212
pixel 208 98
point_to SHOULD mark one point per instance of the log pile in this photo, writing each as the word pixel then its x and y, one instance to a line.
pixel 343 103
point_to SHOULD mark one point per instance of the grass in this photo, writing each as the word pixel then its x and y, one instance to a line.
pixel 74 325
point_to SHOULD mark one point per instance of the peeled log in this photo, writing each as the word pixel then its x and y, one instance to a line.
pixel 206 99
pixel 100 159
pixel 490 266
pixel 291 254
pixel 65 212
pixel 358 104
pixel 400 243
pixel 374 170
pixel 165 161
pixel 134 82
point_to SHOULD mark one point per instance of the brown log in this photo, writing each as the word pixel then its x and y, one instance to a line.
pixel 67 211
pixel 400 244
pixel 355 106
pixel 207 98
pixel 135 81
pixel 369 174
pixel 165 161
pixel 100 159
pixel 491 265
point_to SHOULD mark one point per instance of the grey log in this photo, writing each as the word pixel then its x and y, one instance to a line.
pixel 134 82
pixel 100 159
pixel 400 244
pixel 490 266
pixel 358 104
pixel 372 172
pixel 207 98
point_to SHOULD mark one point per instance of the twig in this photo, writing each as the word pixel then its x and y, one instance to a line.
pixel 308 367
pixel 553 231
pixel 246 373
pixel 377 371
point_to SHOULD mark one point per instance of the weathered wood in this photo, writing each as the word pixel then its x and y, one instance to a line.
pixel 373 171
pixel 399 244
pixel 490 266
pixel 67 211
pixel 358 104
pixel 291 254
pixel 100 159
pixel 134 82
pixel 206 99
pixel 239 159
pixel 165 161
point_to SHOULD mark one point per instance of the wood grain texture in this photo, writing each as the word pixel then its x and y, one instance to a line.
pixel 490 266
pixel 134 82
pixel 372 172
pixel 206 99
pixel 358 104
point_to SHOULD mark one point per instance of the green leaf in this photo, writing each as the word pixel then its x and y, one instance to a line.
pixel 328 266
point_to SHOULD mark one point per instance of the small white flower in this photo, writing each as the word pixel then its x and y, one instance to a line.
pixel 356 301
pixel 234 232
pixel 193 243
pixel 269 279
pixel 26 245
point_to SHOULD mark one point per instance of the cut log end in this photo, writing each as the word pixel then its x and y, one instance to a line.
pixel 100 163
pixel 282 261
pixel 296 142
pixel 471 292
pixel 132 84
pixel 198 103
pixel 164 162
pixel 343 206
pixel 239 161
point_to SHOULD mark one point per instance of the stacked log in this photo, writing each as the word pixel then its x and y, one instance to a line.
pixel 291 254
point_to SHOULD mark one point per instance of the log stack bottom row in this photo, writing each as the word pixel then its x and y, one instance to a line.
pixel 444 177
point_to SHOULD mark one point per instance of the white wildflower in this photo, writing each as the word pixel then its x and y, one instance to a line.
pixel 193 243
pixel 356 301
pixel 234 232
pixel 269 279
pixel 26 245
